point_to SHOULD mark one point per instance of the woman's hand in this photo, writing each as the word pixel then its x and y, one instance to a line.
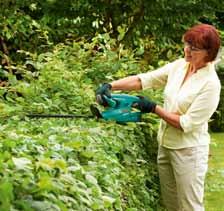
pixel 145 105
pixel 103 90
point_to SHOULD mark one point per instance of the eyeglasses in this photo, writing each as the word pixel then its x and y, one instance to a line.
pixel 192 48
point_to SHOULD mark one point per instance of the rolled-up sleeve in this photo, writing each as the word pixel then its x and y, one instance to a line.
pixel 156 78
pixel 202 108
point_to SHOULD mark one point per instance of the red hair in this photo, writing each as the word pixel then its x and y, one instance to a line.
pixel 206 37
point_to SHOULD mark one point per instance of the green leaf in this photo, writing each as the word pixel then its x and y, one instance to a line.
pixel 43 205
pixel 45 183
pixel 91 179
pixel 108 201
pixel 60 164
pixel 6 193
pixel 22 163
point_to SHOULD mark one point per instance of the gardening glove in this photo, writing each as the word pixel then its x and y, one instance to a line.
pixel 103 90
pixel 145 105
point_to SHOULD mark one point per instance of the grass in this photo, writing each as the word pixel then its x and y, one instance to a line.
pixel 214 188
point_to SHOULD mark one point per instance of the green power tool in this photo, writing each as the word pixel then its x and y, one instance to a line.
pixel 119 108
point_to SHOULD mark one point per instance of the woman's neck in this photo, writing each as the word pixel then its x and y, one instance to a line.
pixel 193 68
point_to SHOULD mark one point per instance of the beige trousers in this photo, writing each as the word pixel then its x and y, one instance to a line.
pixel 182 174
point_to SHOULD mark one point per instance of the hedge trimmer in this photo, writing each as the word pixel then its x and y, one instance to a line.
pixel 119 109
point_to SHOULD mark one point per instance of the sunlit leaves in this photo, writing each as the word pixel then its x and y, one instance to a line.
pixel 74 164
pixel 22 163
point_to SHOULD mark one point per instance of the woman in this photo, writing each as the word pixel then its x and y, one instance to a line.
pixel 191 95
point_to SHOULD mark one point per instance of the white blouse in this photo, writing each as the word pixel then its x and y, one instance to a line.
pixel 195 100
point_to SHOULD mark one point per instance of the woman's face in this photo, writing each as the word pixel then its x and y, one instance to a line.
pixel 195 55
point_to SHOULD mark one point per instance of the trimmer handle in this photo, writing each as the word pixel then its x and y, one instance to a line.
pixel 118 100
pixel 110 101
pixel 106 101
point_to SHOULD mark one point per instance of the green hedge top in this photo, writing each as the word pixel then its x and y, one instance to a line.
pixel 76 164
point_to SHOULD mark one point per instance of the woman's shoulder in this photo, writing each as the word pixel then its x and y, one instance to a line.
pixel 177 66
pixel 179 61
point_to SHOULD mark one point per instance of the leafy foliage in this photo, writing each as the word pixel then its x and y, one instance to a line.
pixel 217 123
pixel 79 164
pixel 37 24
pixel 75 165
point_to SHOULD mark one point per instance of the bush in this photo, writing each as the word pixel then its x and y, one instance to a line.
pixel 78 164
pixel 217 123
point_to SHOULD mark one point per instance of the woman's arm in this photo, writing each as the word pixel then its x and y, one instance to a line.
pixel 127 84
pixel 134 83
pixel 152 79
pixel 171 118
